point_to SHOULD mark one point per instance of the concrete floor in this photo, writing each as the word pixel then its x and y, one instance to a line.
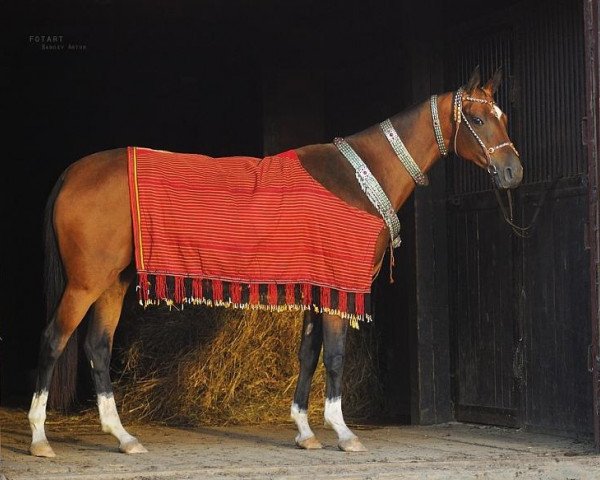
pixel 451 451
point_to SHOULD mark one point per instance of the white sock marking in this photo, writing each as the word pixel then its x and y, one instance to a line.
pixel 37 416
pixel 335 418
pixel 109 418
pixel 301 419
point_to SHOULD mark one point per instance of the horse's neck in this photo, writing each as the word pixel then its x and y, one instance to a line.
pixel 415 128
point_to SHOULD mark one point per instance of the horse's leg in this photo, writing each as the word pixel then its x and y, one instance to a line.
pixel 310 348
pixel 98 348
pixel 73 306
pixel 88 234
pixel 334 343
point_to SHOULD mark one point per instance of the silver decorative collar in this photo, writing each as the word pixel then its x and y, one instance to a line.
pixel 369 184
pixel 411 166
pixel 437 129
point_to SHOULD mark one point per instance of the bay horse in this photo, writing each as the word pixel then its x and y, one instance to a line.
pixel 89 244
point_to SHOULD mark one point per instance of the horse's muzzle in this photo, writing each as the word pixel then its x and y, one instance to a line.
pixel 508 176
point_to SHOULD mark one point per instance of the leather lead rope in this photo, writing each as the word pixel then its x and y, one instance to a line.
pixel 520 231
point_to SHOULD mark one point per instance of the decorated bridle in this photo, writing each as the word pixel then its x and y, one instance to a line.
pixel 460 117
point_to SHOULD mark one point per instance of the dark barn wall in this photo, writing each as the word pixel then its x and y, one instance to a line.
pixel 591 130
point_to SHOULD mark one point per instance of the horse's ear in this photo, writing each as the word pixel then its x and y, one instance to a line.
pixel 493 83
pixel 474 80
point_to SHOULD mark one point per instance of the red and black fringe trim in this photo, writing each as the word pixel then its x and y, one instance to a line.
pixel 178 290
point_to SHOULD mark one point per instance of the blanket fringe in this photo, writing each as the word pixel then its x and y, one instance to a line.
pixel 154 289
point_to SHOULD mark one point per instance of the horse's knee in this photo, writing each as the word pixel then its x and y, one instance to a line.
pixel 334 362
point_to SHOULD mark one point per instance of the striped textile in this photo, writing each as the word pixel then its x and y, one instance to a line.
pixel 248 233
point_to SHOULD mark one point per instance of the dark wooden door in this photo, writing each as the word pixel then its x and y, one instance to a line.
pixel 591 22
pixel 520 307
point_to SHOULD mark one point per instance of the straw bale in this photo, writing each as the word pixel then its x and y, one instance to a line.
pixel 218 366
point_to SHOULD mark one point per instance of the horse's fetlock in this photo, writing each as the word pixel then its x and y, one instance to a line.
pixel 36 419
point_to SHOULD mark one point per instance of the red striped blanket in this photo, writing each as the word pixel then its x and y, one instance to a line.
pixel 248 233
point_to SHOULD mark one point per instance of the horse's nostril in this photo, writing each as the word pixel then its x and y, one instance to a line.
pixel 508 173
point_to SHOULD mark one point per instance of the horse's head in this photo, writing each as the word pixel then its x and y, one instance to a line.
pixel 481 132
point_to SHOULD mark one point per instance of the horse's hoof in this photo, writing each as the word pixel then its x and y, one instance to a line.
pixel 42 449
pixel 133 446
pixel 310 443
pixel 351 445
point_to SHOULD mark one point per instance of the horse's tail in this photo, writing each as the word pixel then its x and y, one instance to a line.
pixel 64 380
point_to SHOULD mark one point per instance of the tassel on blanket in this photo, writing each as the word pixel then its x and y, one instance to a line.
pixel 236 293
pixel 272 294
pixel 143 288
pixel 342 301
pixel 359 304
pixel 160 287
pixel 179 294
pixel 254 294
pixel 306 294
pixel 178 290
pixel 197 292
pixel 325 297
pixel 217 288
pixel 290 296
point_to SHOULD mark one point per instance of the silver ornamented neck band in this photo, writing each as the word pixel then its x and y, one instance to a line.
pixel 411 166
pixel 369 184
pixel 437 129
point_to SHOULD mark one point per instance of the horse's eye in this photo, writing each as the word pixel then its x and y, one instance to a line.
pixel 477 120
